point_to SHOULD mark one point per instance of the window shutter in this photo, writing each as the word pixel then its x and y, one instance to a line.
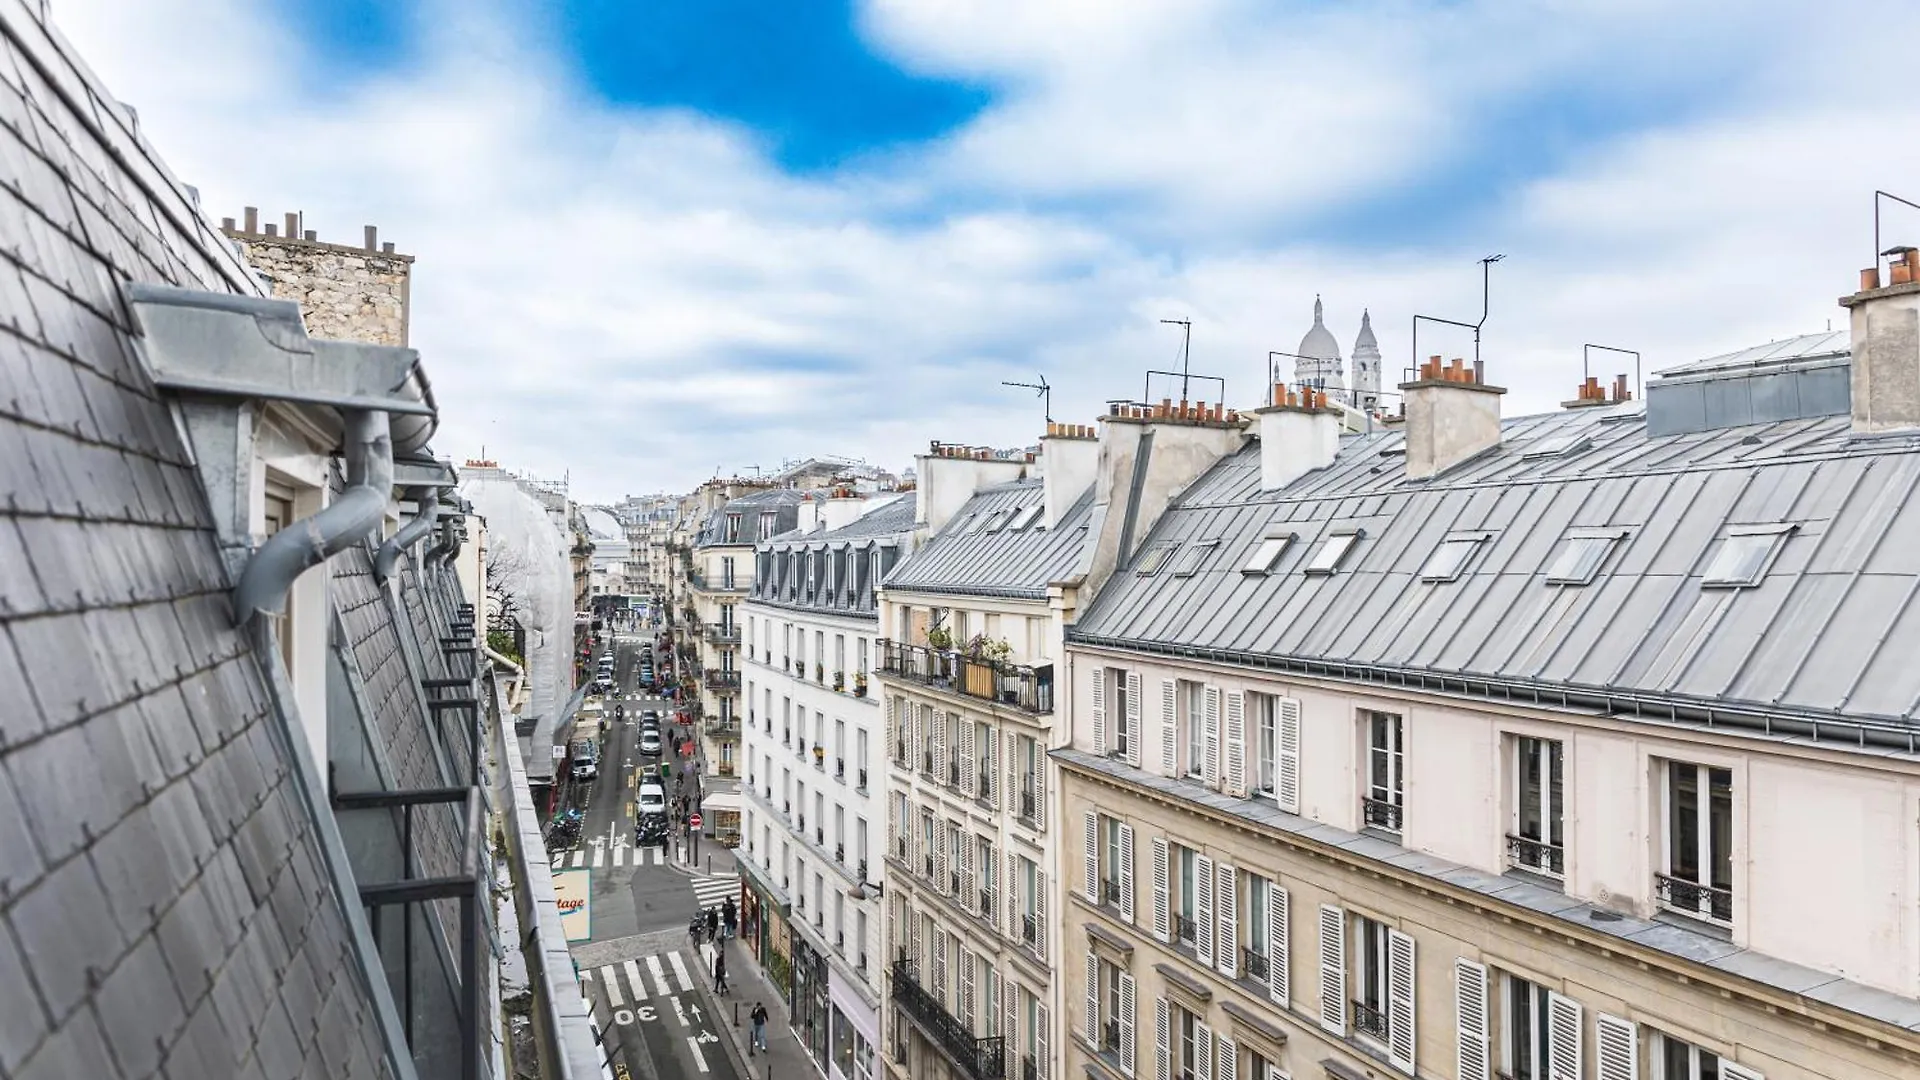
pixel 1470 1017
pixel 893 735
pixel 1212 736
pixel 1333 969
pixel 1010 891
pixel 1169 727
pixel 1010 997
pixel 1286 781
pixel 1162 1039
pixel 1617 1047
pixel 1093 1001
pixel 1126 872
pixel 1127 993
pixel 967 884
pixel 1040 784
pixel 1279 981
pixel 966 988
pixel 913 942
pixel 1730 1071
pixel 1203 909
pixel 940 967
pixel 988 762
pixel 1202 1051
pixel 1041 1029
pixel 1236 739
pixel 1226 902
pixel 1228 1057
pixel 968 778
pixel 1162 914
pixel 916 735
pixel 1040 915
pixel 1100 711
pixel 1013 772
pixel 939 744
pixel 1092 856
pixel 1566 1029
pixel 1400 1001
pixel 1134 734
pixel 893 827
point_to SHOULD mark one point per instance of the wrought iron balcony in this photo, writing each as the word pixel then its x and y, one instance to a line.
pixel 723 727
pixel 1369 1021
pixel 1026 688
pixel 1110 892
pixel 986 902
pixel 953 883
pixel 927 861
pixel 719 583
pixel 1534 855
pixel 1380 814
pixel 980 1059
pixel 1694 899
pixel 1254 964
pixel 1183 928
pixel 1029 929
pixel 1110 1037
pixel 723 680
pixel 724 635
pixel 1029 807
pixel 1029 1068
pixel 953 774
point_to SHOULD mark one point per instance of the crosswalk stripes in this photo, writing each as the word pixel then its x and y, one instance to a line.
pixel 597 858
pixel 659 975
pixel 634 980
pixel 711 891
pixel 679 971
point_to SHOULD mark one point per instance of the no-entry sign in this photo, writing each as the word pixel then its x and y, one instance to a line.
pixel 694 821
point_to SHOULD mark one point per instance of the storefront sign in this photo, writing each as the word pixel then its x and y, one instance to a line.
pixel 573 890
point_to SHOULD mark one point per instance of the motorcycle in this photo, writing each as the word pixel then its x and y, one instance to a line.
pixel 564 831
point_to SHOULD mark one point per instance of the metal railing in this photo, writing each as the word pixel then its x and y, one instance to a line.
pixel 1029 807
pixel 723 726
pixel 981 1059
pixel 1369 1021
pixel 1380 814
pixel 1536 855
pixel 1254 964
pixel 1693 898
pixel 986 902
pixel 1183 928
pixel 720 583
pixel 1110 892
pixel 722 680
pixel 1023 687
pixel 723 635
pixel 1029 929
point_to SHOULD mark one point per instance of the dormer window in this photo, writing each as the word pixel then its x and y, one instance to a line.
pixel 1744 556
pixel 1581 555
pixel 1266 554
pixel 1450 559
pixel 1332 552
pixel 733 528
pixel 769 521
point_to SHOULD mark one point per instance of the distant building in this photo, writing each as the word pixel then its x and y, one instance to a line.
pixel 1317 363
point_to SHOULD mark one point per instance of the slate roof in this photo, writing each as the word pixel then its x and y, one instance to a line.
pixel 778 562
pixel 163 900
pixel 785 502
pixel 1828 631
pixel 964 559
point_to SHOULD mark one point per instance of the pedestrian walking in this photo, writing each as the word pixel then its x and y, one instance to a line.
pixel 759 1018
pixel 720 971
pixel 713 923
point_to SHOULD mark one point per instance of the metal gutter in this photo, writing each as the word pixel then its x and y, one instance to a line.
pixel 428 501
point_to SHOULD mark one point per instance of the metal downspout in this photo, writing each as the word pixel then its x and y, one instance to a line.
pixel 351 516
pixel 428 502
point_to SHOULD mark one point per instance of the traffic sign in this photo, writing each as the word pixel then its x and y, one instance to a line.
pixel 694 820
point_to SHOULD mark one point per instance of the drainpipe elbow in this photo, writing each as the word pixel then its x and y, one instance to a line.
pixel 427 500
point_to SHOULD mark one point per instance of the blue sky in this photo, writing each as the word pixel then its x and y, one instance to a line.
pixel 835 227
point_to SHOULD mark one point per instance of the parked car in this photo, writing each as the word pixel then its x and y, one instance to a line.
pixel 653 798
pixel 650 741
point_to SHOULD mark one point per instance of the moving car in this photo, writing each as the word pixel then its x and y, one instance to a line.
pixel 586 759
pixel 650 741
pixel 653 798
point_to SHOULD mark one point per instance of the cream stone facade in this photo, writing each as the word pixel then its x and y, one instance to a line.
pixel 355 293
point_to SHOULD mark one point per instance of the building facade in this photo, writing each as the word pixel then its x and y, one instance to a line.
pixel 810 852
pixel 1577 745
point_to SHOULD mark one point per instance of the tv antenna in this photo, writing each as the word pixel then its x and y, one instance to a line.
pixel 1486 275
pixel 1041 389
pixel 1186 349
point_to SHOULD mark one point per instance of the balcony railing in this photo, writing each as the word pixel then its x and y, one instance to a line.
pixel 724 635
pixel 1183 928
pixel 1254 964
pixel 1029 929
pixel 1026 688
pixel 953 774
pixel 1110 892
pixel 928 867
pixel 1693 898
pixel 722 680
pixel 1029 808
pixel 1380 814
pixel 1369 1021
pixel 1029 1068
pixel 980 1059
pixel 718 583
pixel 1110 1037
pixel 1534 855
pixel 723 727
pixel 986 902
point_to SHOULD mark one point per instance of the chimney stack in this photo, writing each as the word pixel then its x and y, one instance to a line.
pixel 1452 414
pixel 1590 393
pixel 1299 432
pixel 1884 329
pixel 1069 460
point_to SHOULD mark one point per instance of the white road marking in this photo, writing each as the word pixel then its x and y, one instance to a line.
pixel 620 856
pixel 579 859
pixel 610 978
pixel 559 860
pixel 679 1012
pixel 680 971
pixel 634 980
pixel 599 856
pixel 659 975
pixel 699 1058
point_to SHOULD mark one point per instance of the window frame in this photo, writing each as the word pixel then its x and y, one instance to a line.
pixel 1552 762
pixel 1715 576
pixel 1336 547
pixel 1267 552
pixel 1704 775
pixel 1154 557
pixel 1193 559
pixel 1449 562
pixel 1601 540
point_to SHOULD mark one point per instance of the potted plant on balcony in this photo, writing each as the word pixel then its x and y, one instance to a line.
pixel 940 638
pixel 800 668
pixel 839 681
pixel 820 673
pixel 860 684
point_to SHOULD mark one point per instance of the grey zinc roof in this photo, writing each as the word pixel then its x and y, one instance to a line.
pixel 784 502
pixel 1013 563
pixel 1829 630
pixel 163 901
pixel 892 519
pixel 1805 348
pixel 776 580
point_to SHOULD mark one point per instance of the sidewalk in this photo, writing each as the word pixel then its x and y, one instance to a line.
pixel 784 1060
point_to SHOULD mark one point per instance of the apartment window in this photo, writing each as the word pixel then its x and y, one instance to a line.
pixel 862 652
pixel 1370 970
pixel 1117 713
pixel 768 523
pixel 786 645
pixel 1698 879
pixel 1114 854
pixel 1193 709
pixel 1581 556
pixel 1259 951
pixel 1109 1012
pixel 820 654
pixel 1029 765
pixel 726 576
pixel 1191 1047
pixel 733 528
pixel 1266 727
pixel 860 758
pixel 1744 556
pixel 988 873
pixel 859 854
pixel 1266 553
pixel 1155 557
pixel 839 653
pixel 1331 553
pixel 1537 840
pixel 1528 1033
pixel 985 750
pixel 1186 907
pixel 1029 898
pixel 1386 753
pixel 927 842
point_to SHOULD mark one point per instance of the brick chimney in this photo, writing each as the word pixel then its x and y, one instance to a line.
pixel 1148 455
pixel 1885 335
pixel 1069 460
pixel 1452 414
pixel 1299 432
pixel 949 474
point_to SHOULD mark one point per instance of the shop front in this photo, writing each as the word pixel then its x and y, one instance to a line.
pixel 763 928
pixel 855 1030
pixel 811 1012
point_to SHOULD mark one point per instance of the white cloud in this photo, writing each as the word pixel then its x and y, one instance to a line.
pixel 641 297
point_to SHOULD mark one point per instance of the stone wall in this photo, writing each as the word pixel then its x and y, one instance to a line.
pixel 344 292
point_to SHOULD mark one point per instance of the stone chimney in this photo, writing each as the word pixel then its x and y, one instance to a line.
pixel 1148 455
pixel 1069 459
pixel 950 474
pixel 1299 432
pixel 1452 414
pixel 351 292
pixel 1885 336
pixel 839 506
pixel 1590 393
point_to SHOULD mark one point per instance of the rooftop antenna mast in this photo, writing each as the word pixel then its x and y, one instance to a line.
pixel 1486 275
pixel 1186 349
pixel 1041 389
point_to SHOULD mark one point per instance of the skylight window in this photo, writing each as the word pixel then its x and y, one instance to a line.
pixel 1333 551
pixel 975 524
pixel 1581 555
pixel 1744 556
pixel 1024 517
pixel 1196 554
pixel 1557 446
pixel 998 520
pixel 1450 559
pixel 1268 553
pixel 1154 558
